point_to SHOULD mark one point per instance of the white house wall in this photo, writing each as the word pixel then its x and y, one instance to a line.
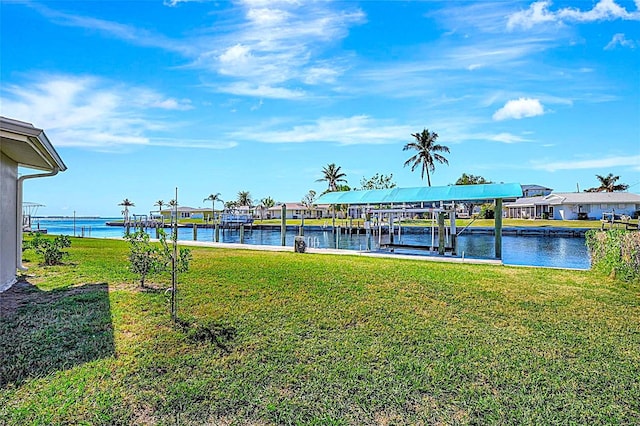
pixel 594 211
pixel 8 218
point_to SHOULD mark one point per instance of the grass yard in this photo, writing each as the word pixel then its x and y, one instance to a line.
pixel 285 338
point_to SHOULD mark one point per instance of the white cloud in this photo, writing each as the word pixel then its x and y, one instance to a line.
pixel 128 33
pixel 85 111
pixel 507 138
pixel 519 108
pixel 598 163
pixel 174 3
pixel 539 13
pixel 279 43
pixel 621 40
pixel 356 130
pixel 260 91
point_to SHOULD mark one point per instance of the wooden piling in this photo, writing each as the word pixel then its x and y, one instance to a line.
pixel 283 226
pixel 497 214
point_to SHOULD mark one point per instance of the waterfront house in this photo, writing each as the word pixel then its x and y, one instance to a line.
pixel 25 146
pixel 574 205
pixel 185 213
pixel 298 211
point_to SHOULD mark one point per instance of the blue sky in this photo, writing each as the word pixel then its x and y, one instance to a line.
pixel 140 97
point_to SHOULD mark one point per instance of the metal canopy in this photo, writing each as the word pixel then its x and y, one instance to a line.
pixel 424 194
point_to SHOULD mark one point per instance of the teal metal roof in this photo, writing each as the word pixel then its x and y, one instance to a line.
pixel 424 194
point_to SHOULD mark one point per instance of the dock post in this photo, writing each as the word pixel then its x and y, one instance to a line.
pixel 440 232
pixel 242 233
pixel 453 233
pixel 283 226
pixel 337 235
pixel 367 229
pixel 497 215
pixel 157 231
pixel 391 229
pixel 301 231
pixel 216 232
pixel 195 232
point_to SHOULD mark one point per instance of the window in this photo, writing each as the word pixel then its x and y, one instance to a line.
pixel 622 206
pixel 603 206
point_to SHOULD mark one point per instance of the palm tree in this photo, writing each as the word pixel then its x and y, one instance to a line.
pixel 332 175
pixel 213 198
pixel 173 204
pixel 126 203
pixel 244 198
pixel 230 205
pixel 266 204
pixel 608 184
pixel 427 154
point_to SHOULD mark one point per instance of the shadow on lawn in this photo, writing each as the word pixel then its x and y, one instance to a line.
pixel 46 331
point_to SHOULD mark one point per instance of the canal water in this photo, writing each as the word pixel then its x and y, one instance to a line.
pixel 562 252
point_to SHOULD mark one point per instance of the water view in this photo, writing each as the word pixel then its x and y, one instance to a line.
pixel 562 252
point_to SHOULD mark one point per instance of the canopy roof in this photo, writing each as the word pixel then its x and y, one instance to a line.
pixel 424 194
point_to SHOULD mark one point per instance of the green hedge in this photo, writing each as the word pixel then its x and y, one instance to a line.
pixel 615 252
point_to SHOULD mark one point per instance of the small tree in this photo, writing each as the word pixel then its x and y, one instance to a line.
pixel 308 201
pixel 146 259
pixel 50 249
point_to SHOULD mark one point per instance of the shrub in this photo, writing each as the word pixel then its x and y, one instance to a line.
pixel 50 248
pixel 487 211
pixel 615 252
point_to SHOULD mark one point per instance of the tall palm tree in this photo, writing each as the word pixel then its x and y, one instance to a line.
pixel 126 203
pixel 213 198
pixel 608 184
pixel 332 175
pixel 427 154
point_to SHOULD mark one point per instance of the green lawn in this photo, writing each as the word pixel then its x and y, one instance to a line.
pixel 287 338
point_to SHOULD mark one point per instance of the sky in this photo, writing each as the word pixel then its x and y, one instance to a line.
pixel 142 97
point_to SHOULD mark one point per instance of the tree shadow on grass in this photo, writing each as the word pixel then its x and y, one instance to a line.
pixel 46 331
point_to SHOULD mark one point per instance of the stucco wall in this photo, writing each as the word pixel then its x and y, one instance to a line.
pixel 570 212
pixel 8 226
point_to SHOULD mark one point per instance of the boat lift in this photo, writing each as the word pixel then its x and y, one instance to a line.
pixel 447 236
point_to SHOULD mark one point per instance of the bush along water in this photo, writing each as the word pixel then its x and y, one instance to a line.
pixel 50 248
pixel 615 252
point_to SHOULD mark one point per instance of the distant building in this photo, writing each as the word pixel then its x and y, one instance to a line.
pixel 298 211
pixel 535 191
pixel 21 145
pixel 574 205
pixel 185 213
